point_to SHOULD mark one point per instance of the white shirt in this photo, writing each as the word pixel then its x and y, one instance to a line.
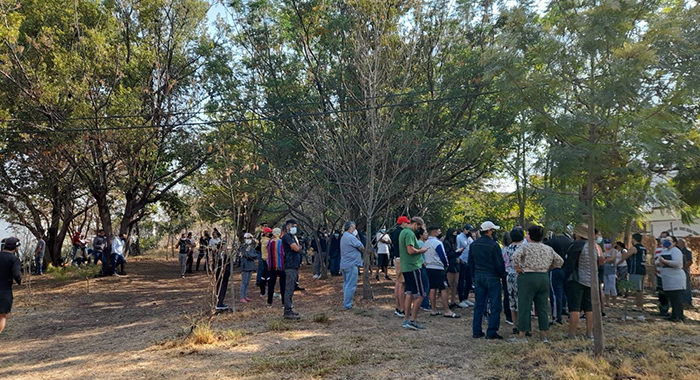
pixel 383 241
pixel 118 246
pixel 464 241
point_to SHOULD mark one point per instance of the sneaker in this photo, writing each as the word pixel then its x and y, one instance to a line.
pixel 399 313
pixel 183 276
pixel 222 307
pixel 515 331
pixel 545 340
pixel 316 277
pixel 426 308
pixel 477 336
pixel 408 325
pixel 469 303
pixel 509 322
pixel 494 337
pixel 567 336
pixel 516 339
pixel 276 295
pixel 417 325
pixel 463 304
pixel 291 316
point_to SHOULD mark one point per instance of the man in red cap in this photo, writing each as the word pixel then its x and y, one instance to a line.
pixel 10 269
pixel 399 285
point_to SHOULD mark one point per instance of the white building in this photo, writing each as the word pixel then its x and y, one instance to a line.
pixel 661 219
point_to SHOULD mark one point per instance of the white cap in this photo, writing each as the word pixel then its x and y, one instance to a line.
pixel 488 225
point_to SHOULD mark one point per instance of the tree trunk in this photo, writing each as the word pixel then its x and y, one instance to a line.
pixel 366 285
pixel 598 344
pixel 104 213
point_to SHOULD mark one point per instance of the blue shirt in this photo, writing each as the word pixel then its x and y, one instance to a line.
pixel 464 241
pixel 350 251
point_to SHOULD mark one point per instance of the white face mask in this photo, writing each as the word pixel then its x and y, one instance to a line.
pixel 249 241
pixel 599 240
pixel 354 233
pixel 293 230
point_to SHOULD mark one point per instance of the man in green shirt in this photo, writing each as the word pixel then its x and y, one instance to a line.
pixel 411 262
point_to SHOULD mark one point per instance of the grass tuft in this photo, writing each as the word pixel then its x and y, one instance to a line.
pixel 321 318
pixel 278 325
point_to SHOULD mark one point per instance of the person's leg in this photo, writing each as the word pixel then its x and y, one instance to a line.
pixel 223 287
pixel 675 298
pixel 461 285
pixel 445 301
pixel 246 276
pixel 425 304
pixel 556 277
pixel 506 301
pixel 189 263
pixel 526 294
pixel 494 296
pixel 182 258
pixel 271 286
pixel 468 282
pixel 199 260
pixel 542 302
pixel 431 297
pixel 290 282
pixel 349 286
pixel 663 300
pixel 316 264
pixel 589 324
pixel 687 297
pixel 479 307
pixel 3 320
pixel 415 306
pixel 264 278
pixel 408 301
pixel 452 279
pixel 573 322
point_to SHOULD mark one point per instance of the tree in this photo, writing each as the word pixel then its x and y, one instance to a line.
pixel 601 99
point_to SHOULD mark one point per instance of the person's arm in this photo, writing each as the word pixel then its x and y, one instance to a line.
pixel 557 261
pixel 415 251
pixel 687 265
pixel 293 244
pixel 676 259
pixel 631 251
pixel 441 254
pixel 516 260
pixel 17 271
pixel 357 244
pixel 500 264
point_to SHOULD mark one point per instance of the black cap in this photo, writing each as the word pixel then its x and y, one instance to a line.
pixel 433 227
pixel 468 227
pixel 10 243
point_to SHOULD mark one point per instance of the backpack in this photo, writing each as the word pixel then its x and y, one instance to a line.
pixel 573 253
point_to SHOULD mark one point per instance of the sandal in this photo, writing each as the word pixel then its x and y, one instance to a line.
pixel 434 314
pixel 453 315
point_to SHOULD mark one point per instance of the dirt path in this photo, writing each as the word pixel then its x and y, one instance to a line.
pixel 132 327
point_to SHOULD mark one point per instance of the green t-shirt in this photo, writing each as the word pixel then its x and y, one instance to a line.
pixel 409 262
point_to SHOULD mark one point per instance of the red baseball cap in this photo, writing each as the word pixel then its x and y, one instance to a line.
pixel 402 219
pixel 267 230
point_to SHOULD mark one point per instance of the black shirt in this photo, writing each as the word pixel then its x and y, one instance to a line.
pixel 10 269
pixel 486 258
pixel 292 259
pixel 395 242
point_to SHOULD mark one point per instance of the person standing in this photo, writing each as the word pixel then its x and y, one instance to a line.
pixel 183 246
pixel 264 272
pixel 383 251
pixel 335 254
pixel 203 246
pixel 577 271
pixel 464 241
pixel 609 273
pixel 275 264
pixel 450 245
pixel 411 261
pixel 517 236
pixel 248 264
pixel 486 262
pixel 39 253
pixel 99 243
pixel 118 259
pixel 532 262
pixel 687 262
pixel 399 284
pixel 190 253
pixel 560 244
pixel 670 268
pixel 222 267
pixel 636 257
pixel 436 263
pixel 292 261
pixel 350 261
pixel 10 269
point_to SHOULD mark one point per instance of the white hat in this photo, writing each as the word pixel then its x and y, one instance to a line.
pixel 488 225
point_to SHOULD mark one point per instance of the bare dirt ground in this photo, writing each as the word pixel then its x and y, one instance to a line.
pixel 136 327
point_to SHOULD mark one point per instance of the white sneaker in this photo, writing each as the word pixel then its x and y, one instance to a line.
pixel 463 304
pixel 316 277
pixel 469 303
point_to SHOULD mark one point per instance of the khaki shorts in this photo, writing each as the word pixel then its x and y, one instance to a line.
pixel 399 274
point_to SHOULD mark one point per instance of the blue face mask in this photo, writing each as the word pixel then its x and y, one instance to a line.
pixel 667 244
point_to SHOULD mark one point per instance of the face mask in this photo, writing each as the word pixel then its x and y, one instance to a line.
pixel 354 233
pixel 336 235
pixel 249 241
pixel 382 231
pixel 293 230
pixel 608 246
pixel 599 240
pixel 667 244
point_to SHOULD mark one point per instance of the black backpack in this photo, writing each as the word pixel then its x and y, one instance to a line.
pixel 573 253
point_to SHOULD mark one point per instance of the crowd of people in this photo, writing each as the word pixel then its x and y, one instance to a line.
pixel 525 274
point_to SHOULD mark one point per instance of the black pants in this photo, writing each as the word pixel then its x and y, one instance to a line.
pixel 264 277
pixel 464 286
pixel 274 274
pixel 675 297
pixel 663 299
pixel 222 284
pixel 506 301
pixel 199 259
pixel 188 264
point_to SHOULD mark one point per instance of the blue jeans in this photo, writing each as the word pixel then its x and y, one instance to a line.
pixel 39 263
pixel 246 276
pixel 556 292
pixel 335 265
pixel 349 286
pixel 487 288
pixel 426 301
